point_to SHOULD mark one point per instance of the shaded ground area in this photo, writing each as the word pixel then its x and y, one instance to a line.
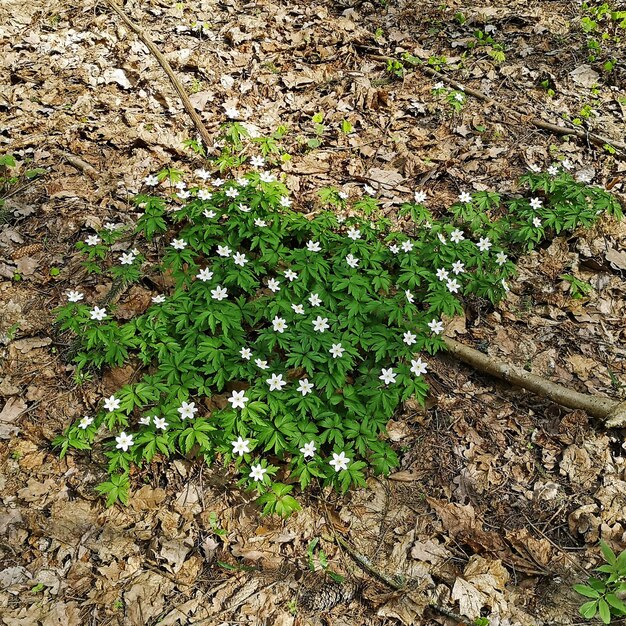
pixel 500 499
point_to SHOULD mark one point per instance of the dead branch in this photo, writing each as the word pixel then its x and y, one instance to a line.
pixel 79 164
pixel 364 563
pixel 163 62
pixel 611 412
pixel 523 116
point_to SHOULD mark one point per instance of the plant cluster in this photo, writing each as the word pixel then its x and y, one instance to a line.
pixel 606 591
pixel 398 68
pixel 484 39
pixel 318 559
pixel 437 62
pixel 282 343
pixel 395 68
pixel 322 131
pixel 604 25
pixel 454 97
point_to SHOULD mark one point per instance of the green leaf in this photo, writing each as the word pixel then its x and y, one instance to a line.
pixel 589 609
pixel 278 500
pixel 7 160
pixel 586 591
pixel 604 612
pixel 616 603
pixel 117 489
pixel 608 554
pixel 596 584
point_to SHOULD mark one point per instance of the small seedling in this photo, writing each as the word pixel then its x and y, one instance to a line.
pixel 195 146
pixel 578 288
pixel 320 128
pixel 215 525
pixel 437 62
pixel 316 556
pixel 11 181
pixel 395 68
pixel 347 127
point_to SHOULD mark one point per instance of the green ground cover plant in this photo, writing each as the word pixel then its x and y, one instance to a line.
pixel 283 342
pixel 605 592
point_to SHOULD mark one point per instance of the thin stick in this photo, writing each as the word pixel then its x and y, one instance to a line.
pixel 79 164
pixel 364 563
pixel 599 140
pixel 611 412
pixel 200 127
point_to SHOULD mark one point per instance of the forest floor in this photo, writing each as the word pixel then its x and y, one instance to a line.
pixel 501 497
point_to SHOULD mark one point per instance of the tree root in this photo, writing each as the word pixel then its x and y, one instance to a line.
pixel 611 412
pixel 180 90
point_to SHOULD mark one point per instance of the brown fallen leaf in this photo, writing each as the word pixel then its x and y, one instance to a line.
pixel 539 550
pixel 386 177
pixel 145 599
pixel 30 343
pixel 136 302
pixel 585 521
pixel 470 600
pixel 612 498
pixel 147 498
pixel 462 523
pixel 27 265
pixel 430 551
pixel 404 476
pixel 585 76
pixel 310 164
pixel 13 408
pixel 175 552
pixel 117 377
pixel 616 258
pixel 118 76
pixel 200 99
pixel 582 365
pixel 407 607
pixel 35 490
pixel 482 585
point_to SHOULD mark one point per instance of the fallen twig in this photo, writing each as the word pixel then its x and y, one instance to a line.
pixel 364 563
pixel 200 127
pixel 79 164
pixel 611 412
pixel 599 140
